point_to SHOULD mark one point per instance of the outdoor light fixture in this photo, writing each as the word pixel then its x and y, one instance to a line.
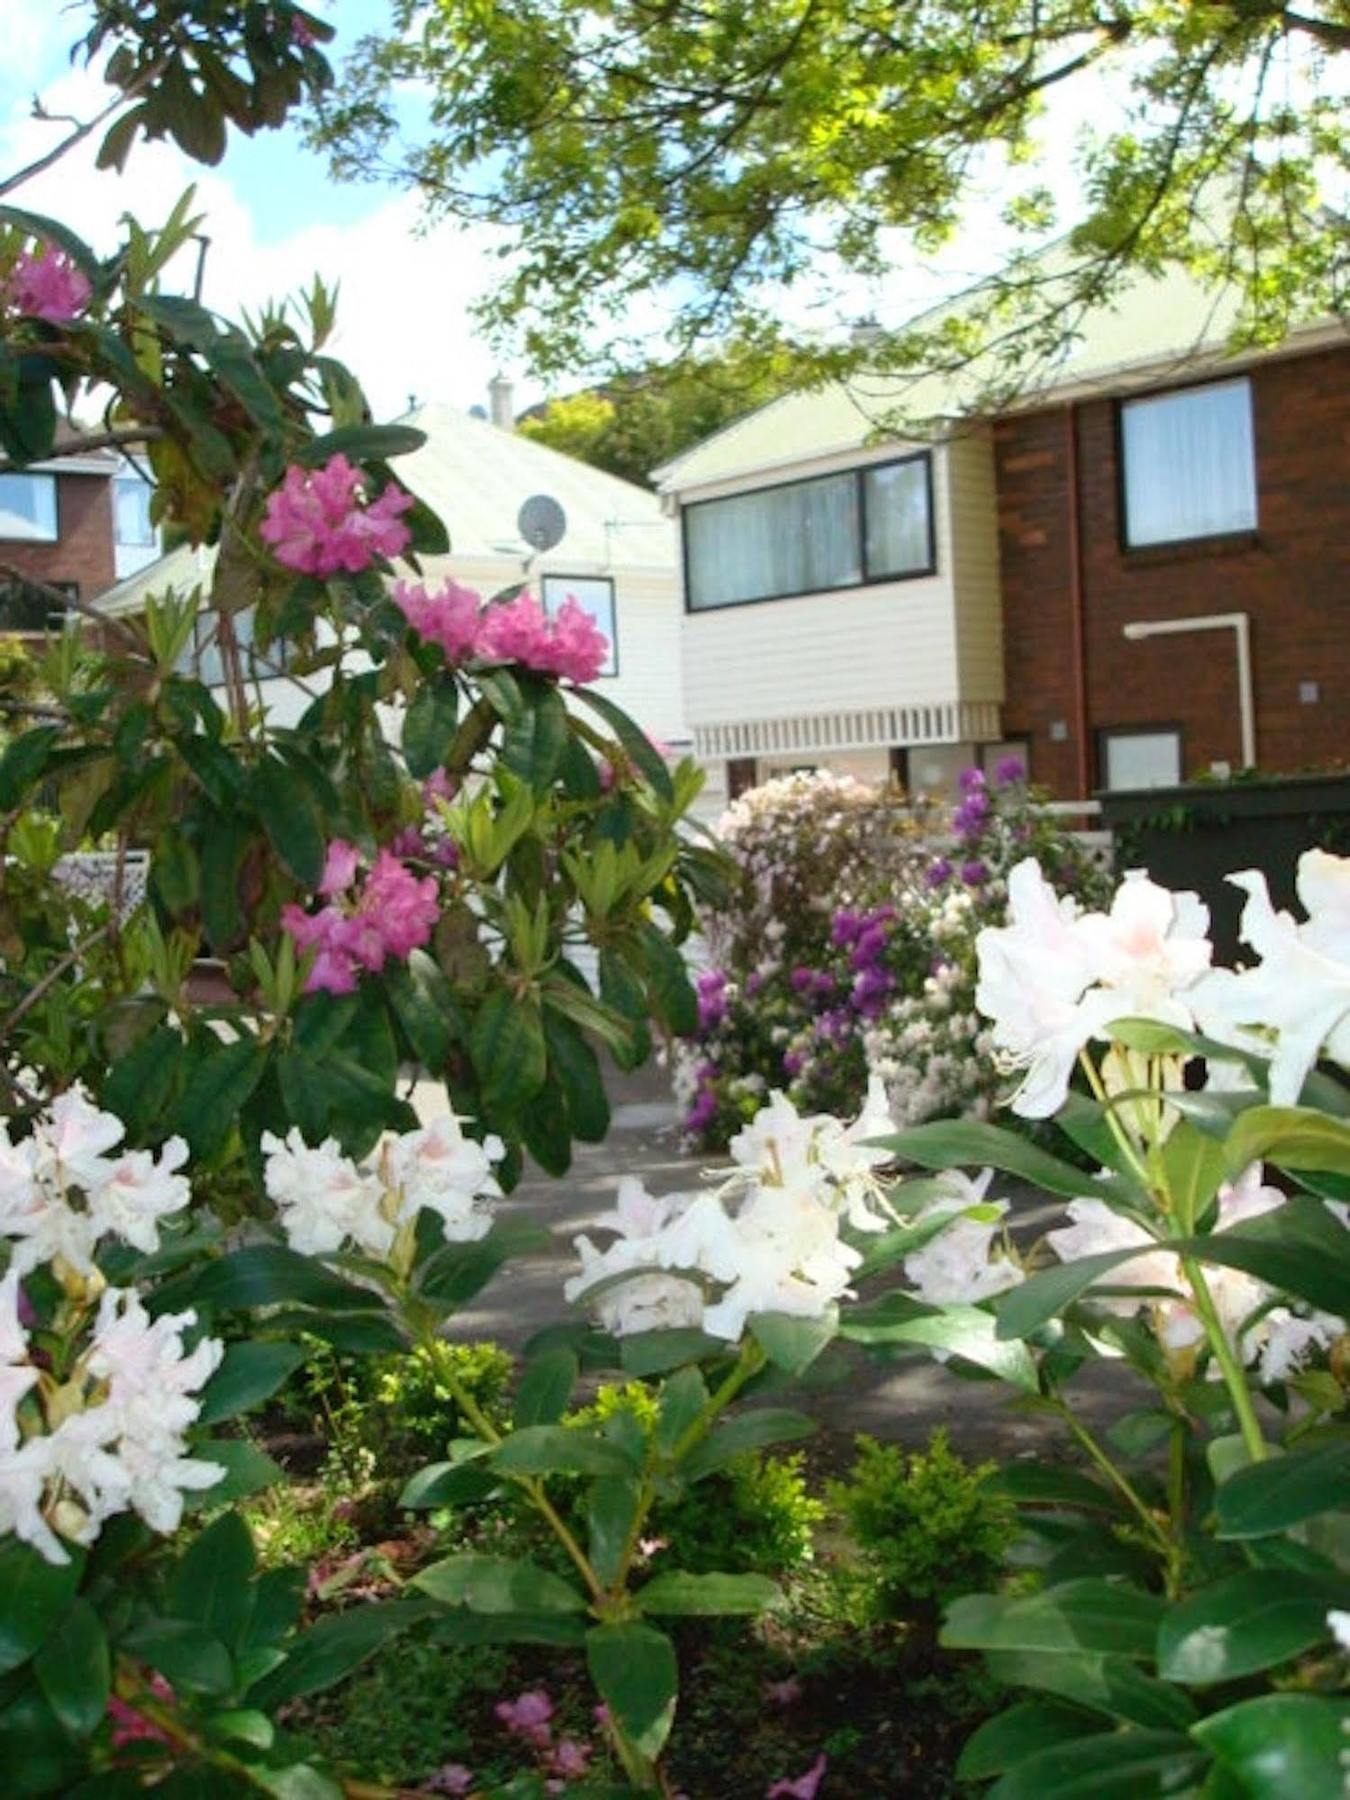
pixel 1240 625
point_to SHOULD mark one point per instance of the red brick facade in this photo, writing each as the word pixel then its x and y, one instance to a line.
pixel 1291 576
pixel 84 550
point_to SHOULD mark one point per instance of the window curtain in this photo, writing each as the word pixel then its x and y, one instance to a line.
pixel 798 539
pixel 897 518
pixel 1189 464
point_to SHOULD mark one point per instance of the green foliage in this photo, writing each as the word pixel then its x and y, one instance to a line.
pixel 709 157
pixel 929 1525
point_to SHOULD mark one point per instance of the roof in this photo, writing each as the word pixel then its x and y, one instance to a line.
pixel 1156 326
pixel 476 475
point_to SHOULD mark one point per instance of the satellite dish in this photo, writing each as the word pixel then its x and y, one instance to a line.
pixel 541 522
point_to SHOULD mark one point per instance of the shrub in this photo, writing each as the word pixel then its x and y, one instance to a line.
pixel 928 1525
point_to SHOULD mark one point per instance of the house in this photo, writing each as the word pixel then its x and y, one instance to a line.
pixel 616 555
pixel 1138 572
pixel 74 523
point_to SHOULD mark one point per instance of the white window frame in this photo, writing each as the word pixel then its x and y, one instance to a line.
pixel 1109 736
pixel 37 532
pixel 554 589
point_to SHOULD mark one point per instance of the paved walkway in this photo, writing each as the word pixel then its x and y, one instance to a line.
pixel 904 1399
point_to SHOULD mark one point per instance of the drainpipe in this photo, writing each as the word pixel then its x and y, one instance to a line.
pixel 1077 631
pixel 1240 625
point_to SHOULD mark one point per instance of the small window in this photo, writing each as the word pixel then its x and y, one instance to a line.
pixel 899 512
pixel 594 594
pixel 28 507
pixel 26 607
pixel 1188 464
pixel 1141 759
pixel 741 776
pixel 131 500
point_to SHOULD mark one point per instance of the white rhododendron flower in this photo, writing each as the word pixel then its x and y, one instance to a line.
pixel 450 1174
pixel 1339 1623
pixel 1053 978
pixel 1096 1229
pixel 323 1199
pixel 137 1192
pixel 768 1239
pixel 956 1266
pixel 74 1139
pixel 1298 995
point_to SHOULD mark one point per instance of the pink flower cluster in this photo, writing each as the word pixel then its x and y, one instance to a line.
pixel 45 284
pixel 570 644
pixel 393 915
pixel 528 1718
pixel 316 523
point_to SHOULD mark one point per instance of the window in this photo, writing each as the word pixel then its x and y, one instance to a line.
pixel 808 537
pixel 1188 464
pixel 25 607
pixel 1141 758
pixel 131 502
pixel 741 776
pixel 28 507
pixel 594 594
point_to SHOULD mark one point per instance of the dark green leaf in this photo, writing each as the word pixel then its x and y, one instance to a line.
pixel 792 1343
pixel 1279 1746
pixel 611 1509
pixel 1093 1615
pixel 361 443
pixel 187 1655
pixel 966 1331
pixel 634 1668
pixel 498 1584
pixel 675 1593
pixel 1009 1738
pixel 74 1670
pixel 534 741
pixel 1283 1491
pixel 1244 1622
pixel 1295 1137
pixel 250 1372
pixel 334 1647
pixel 248 1470
pixel 948 1143
pixel 217 1089
pixel 508 1628
pixel 655 1352
pixel 1123 1764
pixel 577 1068
pixel 635 741
pixel 23 762
pixel 429 725
pixel 39 225
pixel 34 1597
pixel 1045 1484
pixel 266 1274
pixel 753 1430
pixel 290 820
pixel 506 1042
pixel 212 1583
pixel 559 1449
pixel 545 1388
pixel 1107 1684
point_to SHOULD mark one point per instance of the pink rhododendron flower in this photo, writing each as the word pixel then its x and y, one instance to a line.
pixel 528 1716
pixel 45 284
pixel 783 1693
pixel 805 1787
pixel 439 785
pixel 516 631
pixel 578 649
pixel 316 523
pixel 393 915
pixel 130 1726
pixel 449 617
pixel 570 1758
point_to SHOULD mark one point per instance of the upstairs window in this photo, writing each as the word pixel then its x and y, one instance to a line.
pixel 594 594
pixel 1188 464
pixel 131 503
pixel 28 507
pixel 810 537
pixel 24 606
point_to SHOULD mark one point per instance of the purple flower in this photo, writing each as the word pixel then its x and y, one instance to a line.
pixel 793 1064
pixel 702 1113
pixel 754 981
pixel 712 1000
pixel 844 928
pixel 937 872
pixel 1009 770
pixel 870 991
pixel 823 984
pixel 971 781
pixel 969 819
pixel 974 873
pixel 802 980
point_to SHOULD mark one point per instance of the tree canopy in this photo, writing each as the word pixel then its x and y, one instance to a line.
pixel 710 151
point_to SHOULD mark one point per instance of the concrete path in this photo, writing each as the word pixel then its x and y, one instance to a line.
pixel 901 1400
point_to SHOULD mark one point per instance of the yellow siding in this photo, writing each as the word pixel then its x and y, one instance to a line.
pixel 973 523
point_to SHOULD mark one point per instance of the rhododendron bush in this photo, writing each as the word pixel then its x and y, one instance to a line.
pixel 846 949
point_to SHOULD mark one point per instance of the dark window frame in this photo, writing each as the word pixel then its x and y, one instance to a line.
pixel 1161 546
pixel 859 472
pixel 548 575
pixel 38 475
pixel 1152 729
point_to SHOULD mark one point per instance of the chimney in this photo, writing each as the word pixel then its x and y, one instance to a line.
pixel 501 403
pixel 865 331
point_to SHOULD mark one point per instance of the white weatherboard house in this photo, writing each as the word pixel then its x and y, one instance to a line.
pixel 842 595
pixel 617 556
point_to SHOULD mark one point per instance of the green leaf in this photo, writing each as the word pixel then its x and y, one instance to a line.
pixel 611 1508
pixel 211 1584
pixel 248 1470
pixel 792 1343
pixel 1295 1137
pixel 290 820
pixel 1106 1617
pixel 23 763
pixel 533 743
pixel 506 1042
pixel 1009 1738
pixel 1125 1764
pixel 188 1655
pixel 669 988
pixel 217 1089
pixel 425 1006
pixel 577 1069
pixel 334 1647
pixel 1283 1491
pixel 459 1271
pixel 278 1596
pixel 265 1275
pixel 508 1628
pixel 74 1670
pixel 675 1593
pixel 34 1597
pixel 449 1483
pixel 966 1331
pixel 141 1083
pixel 635 741
pixel 361 443
pixel 498 1584
pixel 559 1449
pixel 250 1371
pixel 753 1430
pixel 654 1352
pixel 429 725
pixel 1244 1622
pixel 1044 1484
pixel 1108 1684
pixel 682 1400
pixel 1281 1745
pixel 545 1388
pixel 950 1143
pixel 299 1781
pixel 1194 1167
pixel 39 225
pixel 634 1668
pixel 227 842
pixel 36 1754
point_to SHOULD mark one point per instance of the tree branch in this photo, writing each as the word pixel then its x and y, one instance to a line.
pixel 81 132
pixel 93 440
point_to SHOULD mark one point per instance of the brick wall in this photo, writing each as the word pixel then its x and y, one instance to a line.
pixel 83 550
pixel 1291 576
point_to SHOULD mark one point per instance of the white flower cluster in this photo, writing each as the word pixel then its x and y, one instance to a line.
pixel 767 1238
pixel 969 1259
pixel 1054 978
pixel 1276 1336
pixel 324 1200
pixel 62 1191
pixel 933 1052
pixel 108 1437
